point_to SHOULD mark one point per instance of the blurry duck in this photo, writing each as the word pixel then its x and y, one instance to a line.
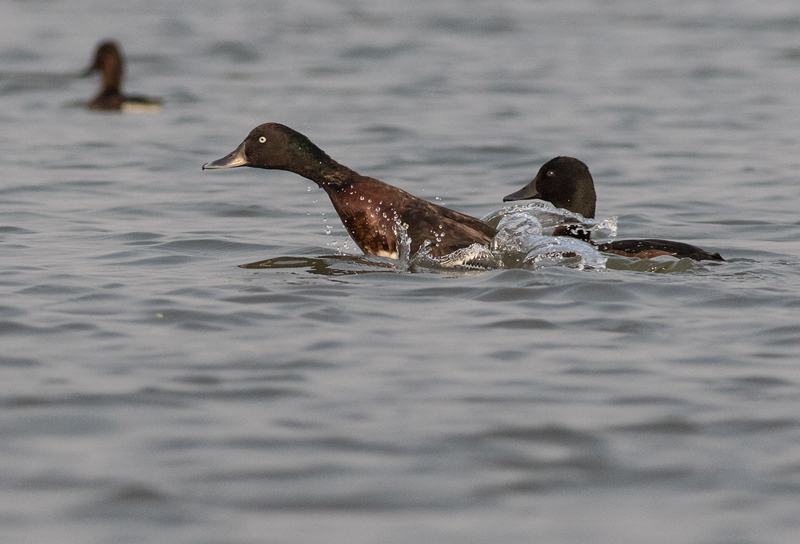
pixel 374 213
pixel 108 61
pixel 566 183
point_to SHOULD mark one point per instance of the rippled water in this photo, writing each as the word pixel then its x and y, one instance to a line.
pixel 152 390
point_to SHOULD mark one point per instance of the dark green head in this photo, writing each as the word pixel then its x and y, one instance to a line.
pixel 277 147
pixel 565 182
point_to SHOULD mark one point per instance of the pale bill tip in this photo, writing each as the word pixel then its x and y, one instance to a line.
pixel 231 160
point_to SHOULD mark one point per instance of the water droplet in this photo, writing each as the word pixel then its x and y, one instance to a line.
pixel 361 198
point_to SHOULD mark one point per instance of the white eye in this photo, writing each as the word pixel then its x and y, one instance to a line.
pixel 262 139
pixel 550 173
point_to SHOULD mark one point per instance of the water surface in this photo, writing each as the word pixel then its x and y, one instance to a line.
pixel 154 391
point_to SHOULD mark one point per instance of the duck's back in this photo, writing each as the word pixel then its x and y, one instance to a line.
pixel 649 248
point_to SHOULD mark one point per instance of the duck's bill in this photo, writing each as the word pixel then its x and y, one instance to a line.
pixel 526 193
pixel 231 160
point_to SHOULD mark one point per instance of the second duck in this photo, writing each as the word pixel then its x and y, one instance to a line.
pixel 566 183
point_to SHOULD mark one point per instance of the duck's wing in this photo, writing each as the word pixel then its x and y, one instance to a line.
pixel 446 229
pixel 446 233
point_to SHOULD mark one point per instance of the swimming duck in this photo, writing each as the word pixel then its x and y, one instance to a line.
pixel 108 60
pixel 373 212
pixel 566 183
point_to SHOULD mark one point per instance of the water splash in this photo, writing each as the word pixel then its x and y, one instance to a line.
pixel 563 251
pixel 473 257
pixel 550 217
pixel 514 231
pixel 519 243
pixel 400 230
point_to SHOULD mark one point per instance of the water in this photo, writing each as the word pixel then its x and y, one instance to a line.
pixel 154 391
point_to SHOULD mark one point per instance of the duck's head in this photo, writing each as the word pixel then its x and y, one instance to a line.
pixel 563 181
pixel 108 61
pixel 275 147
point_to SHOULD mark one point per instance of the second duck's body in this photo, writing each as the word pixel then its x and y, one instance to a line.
pixel 566 183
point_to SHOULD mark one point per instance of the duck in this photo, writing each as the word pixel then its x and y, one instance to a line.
pixel 108 61
pixel 567 183
pixel 376 215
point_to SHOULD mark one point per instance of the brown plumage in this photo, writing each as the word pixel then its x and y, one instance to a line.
pixel 373 212
pixel 566 183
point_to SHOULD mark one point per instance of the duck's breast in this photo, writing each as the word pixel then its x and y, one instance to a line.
pixel 369 212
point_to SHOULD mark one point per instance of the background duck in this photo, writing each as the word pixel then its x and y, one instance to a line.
pixel 567 183
pixel 373 212
pixel 108 61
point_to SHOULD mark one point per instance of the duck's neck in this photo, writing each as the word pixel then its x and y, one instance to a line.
pixel 312 163
pixel 112 77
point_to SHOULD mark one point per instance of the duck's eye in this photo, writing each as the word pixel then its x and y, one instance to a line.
pixel 550 173
pixel 262 139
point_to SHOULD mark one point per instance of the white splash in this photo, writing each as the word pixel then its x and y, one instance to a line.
pixel 400 230
pixel 520 242
pixel 473 257
pixel 514 231
pixel 563 251
pixel 550 217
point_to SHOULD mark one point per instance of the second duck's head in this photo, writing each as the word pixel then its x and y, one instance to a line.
pixel 563 181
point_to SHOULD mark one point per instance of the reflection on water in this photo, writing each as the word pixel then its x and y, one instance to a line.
pixel 658 265
pixel 329 265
